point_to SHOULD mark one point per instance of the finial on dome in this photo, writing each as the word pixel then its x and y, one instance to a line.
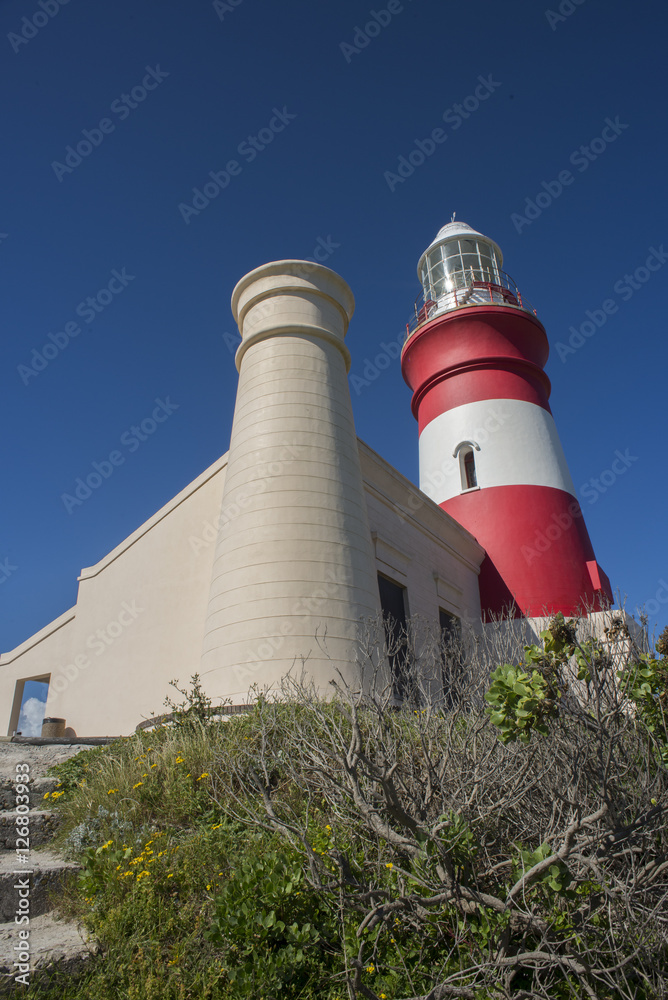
pixel 453 217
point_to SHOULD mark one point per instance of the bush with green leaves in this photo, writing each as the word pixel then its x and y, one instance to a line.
pixel 351 848
pixel 645 683
pixel 267 908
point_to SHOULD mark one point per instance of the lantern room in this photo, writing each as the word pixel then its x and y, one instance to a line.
pixel 461 267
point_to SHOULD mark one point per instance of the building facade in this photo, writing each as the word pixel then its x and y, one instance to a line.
pixel 273 557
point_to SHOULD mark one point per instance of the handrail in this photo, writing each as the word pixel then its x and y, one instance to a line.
pixel 467 290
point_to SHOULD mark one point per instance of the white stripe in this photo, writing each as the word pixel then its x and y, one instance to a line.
pixel 519 446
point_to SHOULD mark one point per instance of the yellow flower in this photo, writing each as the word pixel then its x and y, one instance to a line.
pixel 205 775
pixel 383 996
pixel 209 888
pixel 138 784
pixel 145 774
pixel 112 791
pixel 141 874
pixel 154 765
pixel 105 846
pixel 216 826
pixel 56 795
pixel 179 760
pixel 328 827
pixel 371 968
pixel 389 865
pixel 171 875
pixel 46 796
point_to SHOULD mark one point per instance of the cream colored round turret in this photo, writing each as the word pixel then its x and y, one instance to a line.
pixel 294 569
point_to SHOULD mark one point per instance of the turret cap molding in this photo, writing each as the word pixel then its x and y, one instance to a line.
pixel 293 275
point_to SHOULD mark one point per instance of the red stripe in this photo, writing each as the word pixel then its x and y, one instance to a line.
pixel 474 385
pixel 537 549
pixel 481 352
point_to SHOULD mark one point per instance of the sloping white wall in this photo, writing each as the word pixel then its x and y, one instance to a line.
pixel 140 613
pixel 137 624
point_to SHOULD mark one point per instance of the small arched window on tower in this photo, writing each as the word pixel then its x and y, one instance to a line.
pixel 466 450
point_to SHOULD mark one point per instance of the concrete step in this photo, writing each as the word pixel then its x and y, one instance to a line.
pixel 38 790
pixel 47 871
pixel 43 826
pixel 50 941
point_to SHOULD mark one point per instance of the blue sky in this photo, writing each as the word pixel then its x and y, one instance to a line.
pixel 204 83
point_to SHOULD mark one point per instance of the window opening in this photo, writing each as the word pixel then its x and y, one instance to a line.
pixel 451 655
pixel 29 706
pixel 393 606
pixel 470 477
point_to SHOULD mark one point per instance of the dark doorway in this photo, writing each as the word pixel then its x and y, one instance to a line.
pixel 393 604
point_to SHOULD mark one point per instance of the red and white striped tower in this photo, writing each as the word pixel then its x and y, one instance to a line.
pixel 490 454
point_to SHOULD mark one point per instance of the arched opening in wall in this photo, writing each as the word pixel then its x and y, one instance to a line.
pixel 29 706
pixel 468 472
pixel 394 605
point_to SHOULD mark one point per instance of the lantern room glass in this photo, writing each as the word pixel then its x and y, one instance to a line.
pixel 456 264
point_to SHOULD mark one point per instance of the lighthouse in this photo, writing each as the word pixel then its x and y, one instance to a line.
pixel 490 454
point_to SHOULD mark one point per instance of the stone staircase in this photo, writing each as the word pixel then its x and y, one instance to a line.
pixel 31 888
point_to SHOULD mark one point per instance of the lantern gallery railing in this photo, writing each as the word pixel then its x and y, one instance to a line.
pixel 466 288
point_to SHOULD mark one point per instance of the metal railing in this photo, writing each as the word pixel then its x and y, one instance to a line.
pixel 468 289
